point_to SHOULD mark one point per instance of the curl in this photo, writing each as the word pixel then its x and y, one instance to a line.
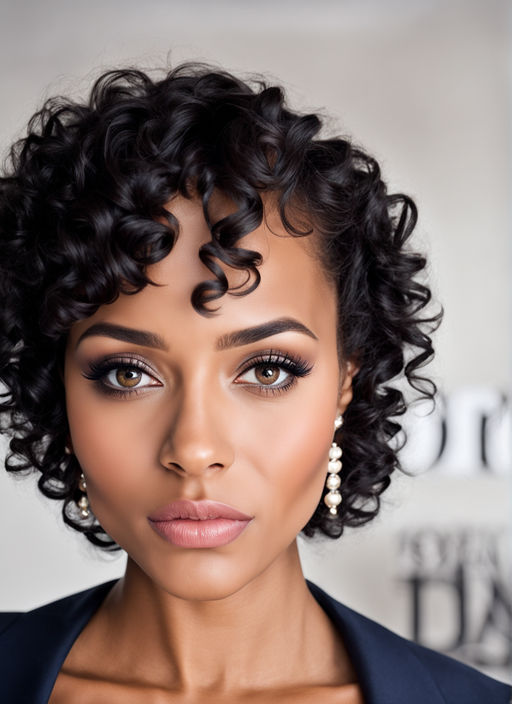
pixel 83 214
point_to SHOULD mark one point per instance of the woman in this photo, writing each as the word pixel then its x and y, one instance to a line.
pixel 205 304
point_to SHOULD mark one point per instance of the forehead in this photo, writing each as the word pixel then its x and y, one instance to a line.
pixel 292 281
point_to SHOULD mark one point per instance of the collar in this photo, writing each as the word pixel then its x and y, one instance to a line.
pixel 390 669
pixel 36 644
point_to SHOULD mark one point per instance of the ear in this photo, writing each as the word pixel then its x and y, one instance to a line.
pixel 345 392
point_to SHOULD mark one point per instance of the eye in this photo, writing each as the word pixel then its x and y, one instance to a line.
pixel 120 377
pixel 127 377
pixel 273 372
pixel 266 374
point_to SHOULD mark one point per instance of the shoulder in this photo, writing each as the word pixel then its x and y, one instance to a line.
pixel 62 613
pixel 34 644
pixel 394 669
pixel 7 618
pixel 457 681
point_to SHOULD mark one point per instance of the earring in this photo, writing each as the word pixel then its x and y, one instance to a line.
pixel 83 501
pixel 333 498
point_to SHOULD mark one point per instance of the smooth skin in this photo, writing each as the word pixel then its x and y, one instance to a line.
pixel 202 419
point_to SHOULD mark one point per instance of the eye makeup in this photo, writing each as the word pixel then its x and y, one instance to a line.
pixel 294 365
pixel 100 373
pixel 107 374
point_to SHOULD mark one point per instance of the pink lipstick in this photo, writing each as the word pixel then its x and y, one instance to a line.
pixel 199 524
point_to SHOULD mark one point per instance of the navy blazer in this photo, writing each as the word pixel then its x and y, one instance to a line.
pixel 390 669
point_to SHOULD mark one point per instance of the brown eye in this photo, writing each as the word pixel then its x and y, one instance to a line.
pixel 273 373
pixel 121 378
pixel 267 374
pixel 128 377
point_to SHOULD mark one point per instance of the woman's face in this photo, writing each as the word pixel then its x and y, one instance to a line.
pixel 195 408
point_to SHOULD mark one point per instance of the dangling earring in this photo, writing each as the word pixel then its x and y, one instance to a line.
pixel 333 498
pixel 83 501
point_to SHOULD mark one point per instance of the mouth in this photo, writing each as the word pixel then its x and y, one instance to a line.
pixel 199 524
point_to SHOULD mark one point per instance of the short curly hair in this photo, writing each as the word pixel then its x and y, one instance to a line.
pixel 82 215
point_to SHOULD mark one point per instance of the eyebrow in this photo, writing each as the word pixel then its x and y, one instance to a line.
pixel 258 332
pixel 237 338
pixel 120 332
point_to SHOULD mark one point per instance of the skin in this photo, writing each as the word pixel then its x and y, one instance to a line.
pixel 235 622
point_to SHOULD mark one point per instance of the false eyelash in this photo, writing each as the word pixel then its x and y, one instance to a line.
pixel 294 364
pixel 97 370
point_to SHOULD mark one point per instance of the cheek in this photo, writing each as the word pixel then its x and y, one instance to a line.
pixel 292 463
pixel 114 446
pixel 307 470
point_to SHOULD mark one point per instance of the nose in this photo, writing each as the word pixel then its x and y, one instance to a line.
pixel 197 439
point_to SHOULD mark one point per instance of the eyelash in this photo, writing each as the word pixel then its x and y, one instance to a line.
pixel 99 370
pixel 296 367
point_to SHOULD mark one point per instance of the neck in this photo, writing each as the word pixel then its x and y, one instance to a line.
pixel 271 633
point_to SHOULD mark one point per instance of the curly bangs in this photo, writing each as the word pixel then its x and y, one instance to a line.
pixel 82 216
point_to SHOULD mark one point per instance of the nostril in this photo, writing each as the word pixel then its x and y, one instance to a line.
pixel 175 466
pixel 213 468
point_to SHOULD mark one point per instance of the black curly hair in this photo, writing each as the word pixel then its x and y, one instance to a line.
pixel 82 215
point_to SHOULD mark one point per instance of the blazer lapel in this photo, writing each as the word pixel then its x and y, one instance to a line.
pixel 388 669
pixel 38 642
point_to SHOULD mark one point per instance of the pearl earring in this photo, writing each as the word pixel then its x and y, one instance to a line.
pixel 83 501
pixel 333 498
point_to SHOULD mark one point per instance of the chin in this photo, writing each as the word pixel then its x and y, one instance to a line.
pixel 214 585
pixel 199 575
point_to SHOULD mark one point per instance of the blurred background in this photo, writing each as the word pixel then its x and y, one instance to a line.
pixel 425 86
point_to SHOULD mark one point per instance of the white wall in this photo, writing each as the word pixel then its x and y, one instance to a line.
pixel 422 84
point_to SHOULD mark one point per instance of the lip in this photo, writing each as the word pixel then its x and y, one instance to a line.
pixel 198 511
pixel 199 524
